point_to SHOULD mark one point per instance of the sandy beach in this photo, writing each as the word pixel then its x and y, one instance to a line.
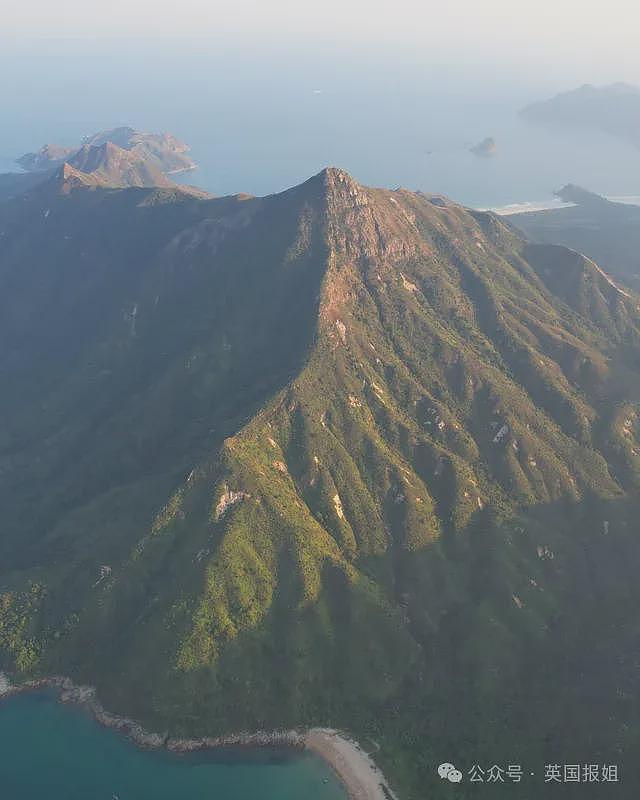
pixel 355 768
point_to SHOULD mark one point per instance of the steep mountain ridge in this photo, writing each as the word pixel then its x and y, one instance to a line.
pixel 606 231
pixel 302 459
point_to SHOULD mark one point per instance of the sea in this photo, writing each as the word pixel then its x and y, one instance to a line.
pixel 58 752
pixel 265 117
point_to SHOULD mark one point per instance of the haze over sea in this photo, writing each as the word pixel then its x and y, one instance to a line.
pixel 264 119
pixel 57 752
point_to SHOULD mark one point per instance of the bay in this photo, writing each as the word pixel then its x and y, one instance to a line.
pixel 58 752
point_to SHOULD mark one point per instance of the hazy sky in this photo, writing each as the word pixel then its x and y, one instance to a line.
pixel 579 35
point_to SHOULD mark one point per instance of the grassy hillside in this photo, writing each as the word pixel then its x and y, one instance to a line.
pixel 337 456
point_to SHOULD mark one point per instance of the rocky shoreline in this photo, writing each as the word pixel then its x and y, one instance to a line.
pixel 355 769
pixel 85 696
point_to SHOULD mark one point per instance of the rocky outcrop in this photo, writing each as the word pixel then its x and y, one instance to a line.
pixel 227 500
pixel 259 739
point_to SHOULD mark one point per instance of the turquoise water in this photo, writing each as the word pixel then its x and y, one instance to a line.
pixel 49 751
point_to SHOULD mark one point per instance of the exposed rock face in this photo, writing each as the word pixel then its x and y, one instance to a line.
pixel 366 224
pixel 229 499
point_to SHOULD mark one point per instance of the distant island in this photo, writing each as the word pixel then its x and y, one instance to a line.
pixel 614 109
pixel 487 148
pixel 161 150
pixel 116 158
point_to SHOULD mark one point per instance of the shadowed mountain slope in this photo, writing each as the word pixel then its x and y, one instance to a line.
pixel 607 232
pixel 339 456
pixel 614 109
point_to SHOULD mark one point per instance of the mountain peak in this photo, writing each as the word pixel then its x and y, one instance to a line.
pixel 67 178
pixel 572 193
pixel 121 136
pixel 337 179
pixel 336 174
pixel 330 179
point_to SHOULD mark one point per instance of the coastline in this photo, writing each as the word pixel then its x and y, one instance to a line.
pixel 552 204
pixel 355 769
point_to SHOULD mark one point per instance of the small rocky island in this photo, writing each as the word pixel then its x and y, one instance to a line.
pixel 487 148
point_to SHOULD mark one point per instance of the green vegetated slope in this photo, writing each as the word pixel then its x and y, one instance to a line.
pixel 338 456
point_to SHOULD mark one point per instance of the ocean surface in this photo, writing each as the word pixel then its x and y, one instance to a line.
pixel 49 751
pixel 261 119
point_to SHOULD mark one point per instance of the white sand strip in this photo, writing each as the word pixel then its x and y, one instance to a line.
pixel 354 767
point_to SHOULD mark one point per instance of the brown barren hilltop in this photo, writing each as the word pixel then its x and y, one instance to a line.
pixel 161 151
pixel 118 158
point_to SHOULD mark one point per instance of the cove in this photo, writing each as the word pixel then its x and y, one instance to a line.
pixel 55 751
